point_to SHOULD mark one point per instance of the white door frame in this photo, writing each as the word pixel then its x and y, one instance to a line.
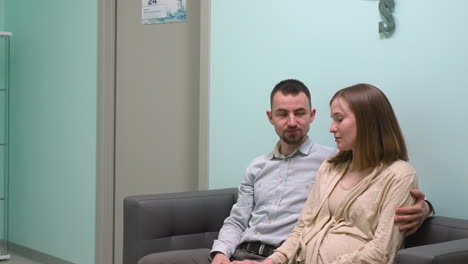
pixel 204 114
pixel 105 168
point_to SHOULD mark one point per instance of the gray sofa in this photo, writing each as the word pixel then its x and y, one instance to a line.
pixel 164 222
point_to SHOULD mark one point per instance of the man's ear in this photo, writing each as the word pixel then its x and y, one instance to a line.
pixel 312 114
pixel 270 116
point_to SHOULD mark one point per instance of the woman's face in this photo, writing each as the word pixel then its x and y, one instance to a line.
pixel 343 125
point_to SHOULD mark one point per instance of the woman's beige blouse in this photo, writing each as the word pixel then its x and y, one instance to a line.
pixel 361 230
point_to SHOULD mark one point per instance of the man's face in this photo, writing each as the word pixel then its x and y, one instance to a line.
pixel 291 116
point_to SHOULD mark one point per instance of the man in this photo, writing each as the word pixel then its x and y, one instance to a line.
pixel 275 187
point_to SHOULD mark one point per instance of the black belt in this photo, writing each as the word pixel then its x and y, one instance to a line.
pixel 258 248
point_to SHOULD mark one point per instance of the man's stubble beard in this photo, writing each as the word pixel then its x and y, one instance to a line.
pixel 293 140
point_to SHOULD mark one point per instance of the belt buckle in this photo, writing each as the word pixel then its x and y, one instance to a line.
pixel 260 250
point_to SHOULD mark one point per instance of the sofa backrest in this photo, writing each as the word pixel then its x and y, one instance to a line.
pixel 174 221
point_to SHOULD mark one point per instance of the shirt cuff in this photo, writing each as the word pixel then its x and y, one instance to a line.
pixel 212 255
pixel 221 248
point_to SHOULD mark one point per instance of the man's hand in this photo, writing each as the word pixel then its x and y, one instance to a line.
pixel 266 261
pixel 413 216
pixel 220 258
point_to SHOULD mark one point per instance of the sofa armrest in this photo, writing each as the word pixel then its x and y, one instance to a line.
pixel 438 229
pixel 173 221
pixel 452 252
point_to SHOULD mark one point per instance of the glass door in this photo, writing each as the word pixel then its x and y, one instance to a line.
pixel 4 128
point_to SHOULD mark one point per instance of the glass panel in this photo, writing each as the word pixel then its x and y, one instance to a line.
pixel 3 213
pixel 3 233
pixel 2 175
pixel 2 116
pixel 3 59
pixel 4 82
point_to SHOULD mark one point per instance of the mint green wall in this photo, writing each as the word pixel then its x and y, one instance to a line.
pixel 2 15
pixel 332 44
pixel 53 126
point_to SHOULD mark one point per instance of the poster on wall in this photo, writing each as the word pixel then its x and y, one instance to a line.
pixel 163 11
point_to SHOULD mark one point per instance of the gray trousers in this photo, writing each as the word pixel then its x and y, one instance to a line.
pixel 193 256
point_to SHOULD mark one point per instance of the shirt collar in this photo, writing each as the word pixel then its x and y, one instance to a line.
pixel 303 149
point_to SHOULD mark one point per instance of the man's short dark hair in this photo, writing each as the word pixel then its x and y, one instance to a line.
pixel 290 86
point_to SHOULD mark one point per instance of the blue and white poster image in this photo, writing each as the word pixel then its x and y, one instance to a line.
pixel 163 11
